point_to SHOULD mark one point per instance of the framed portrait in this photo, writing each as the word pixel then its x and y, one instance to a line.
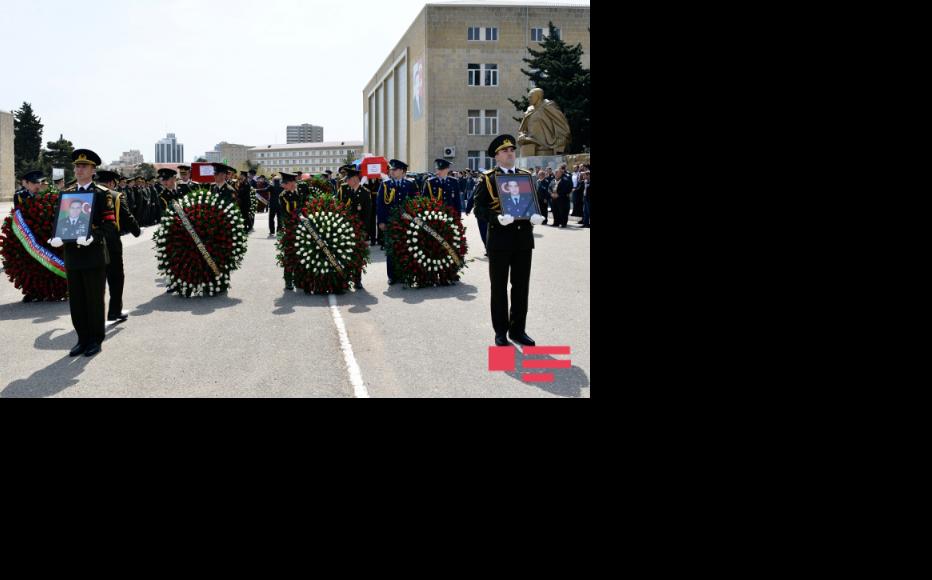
pixel 518 196
pixel 74 216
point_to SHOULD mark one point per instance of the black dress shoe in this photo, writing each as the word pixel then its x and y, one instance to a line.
pixel 501 340
pixel 77 350
pixel 523 339
pixel 122 317
pixel 392 282
pixel 92 350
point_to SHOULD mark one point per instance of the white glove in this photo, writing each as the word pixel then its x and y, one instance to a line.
pixel 85 241
pixel 537 219
pixel 506 220
pixel 56 243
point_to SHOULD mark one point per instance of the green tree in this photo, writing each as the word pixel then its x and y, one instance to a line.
pixel 58 156
pixel 27 139
pixel 146 170
pixel 350 158
pixel 558 70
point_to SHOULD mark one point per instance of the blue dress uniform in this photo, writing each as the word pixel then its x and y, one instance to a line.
pixel 393 193
pixel 23 193
pixel 447 188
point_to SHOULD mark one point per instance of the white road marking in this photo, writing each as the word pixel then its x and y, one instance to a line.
pixel 355 374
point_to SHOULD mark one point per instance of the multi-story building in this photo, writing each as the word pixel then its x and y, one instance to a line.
pixel 169 150
pixel 305 134
pixel 443 91
pixel 306 157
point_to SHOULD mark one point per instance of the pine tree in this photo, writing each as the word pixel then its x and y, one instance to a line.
pixel 27 140
pixel 58 156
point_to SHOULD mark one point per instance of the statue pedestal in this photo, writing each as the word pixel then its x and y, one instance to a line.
pixel 542 161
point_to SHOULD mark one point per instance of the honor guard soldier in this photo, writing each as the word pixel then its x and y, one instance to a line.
pixel 185 185
pixel 123 223
pixel 392 194
pixel 342 187
pixel 290 202
pixel 221 185
pixel 168 185
pixel 510 247
pixel 304 189
pixel 141 199
pixel 358 201
pixel 86 259
pixel 443 187
pixel 244 195
pixel 31 184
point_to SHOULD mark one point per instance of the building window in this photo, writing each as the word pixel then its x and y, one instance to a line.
pixel 473 33
pixel 474 72
pixel 491 122
pixel 483 122
pixel 540 34
pixel 491 34
pixel 482 75
pixel 475 159
pixel 491 75
pixel 475 122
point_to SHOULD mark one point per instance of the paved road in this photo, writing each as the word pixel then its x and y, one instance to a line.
pixel 262 342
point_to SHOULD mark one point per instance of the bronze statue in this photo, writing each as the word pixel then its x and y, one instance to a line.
pixel 545 130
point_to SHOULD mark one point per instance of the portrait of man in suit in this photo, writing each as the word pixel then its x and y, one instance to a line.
pixel 73 221
pixel 516 193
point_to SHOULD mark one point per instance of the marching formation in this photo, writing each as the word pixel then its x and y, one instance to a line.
pixel 65 242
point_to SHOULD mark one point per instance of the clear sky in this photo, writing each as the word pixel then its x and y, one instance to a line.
pixel 115 75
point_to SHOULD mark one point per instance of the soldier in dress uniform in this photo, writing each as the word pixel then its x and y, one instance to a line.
pixel 185 185
pixel 142 199
pixel 123 223
pixel 373 185
pixel 290 202
pixel 304 189
pixel 341 181
pixel 86 259
pixel 169 190
pixel 444 187
pixel 392 194
pixel 155 201
pixel 358 201
pixel 221 184
pixel 244 195
pixel 31 184
pixel 510 248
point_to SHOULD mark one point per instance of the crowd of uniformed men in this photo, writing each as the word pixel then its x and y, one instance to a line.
pixel 123 205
